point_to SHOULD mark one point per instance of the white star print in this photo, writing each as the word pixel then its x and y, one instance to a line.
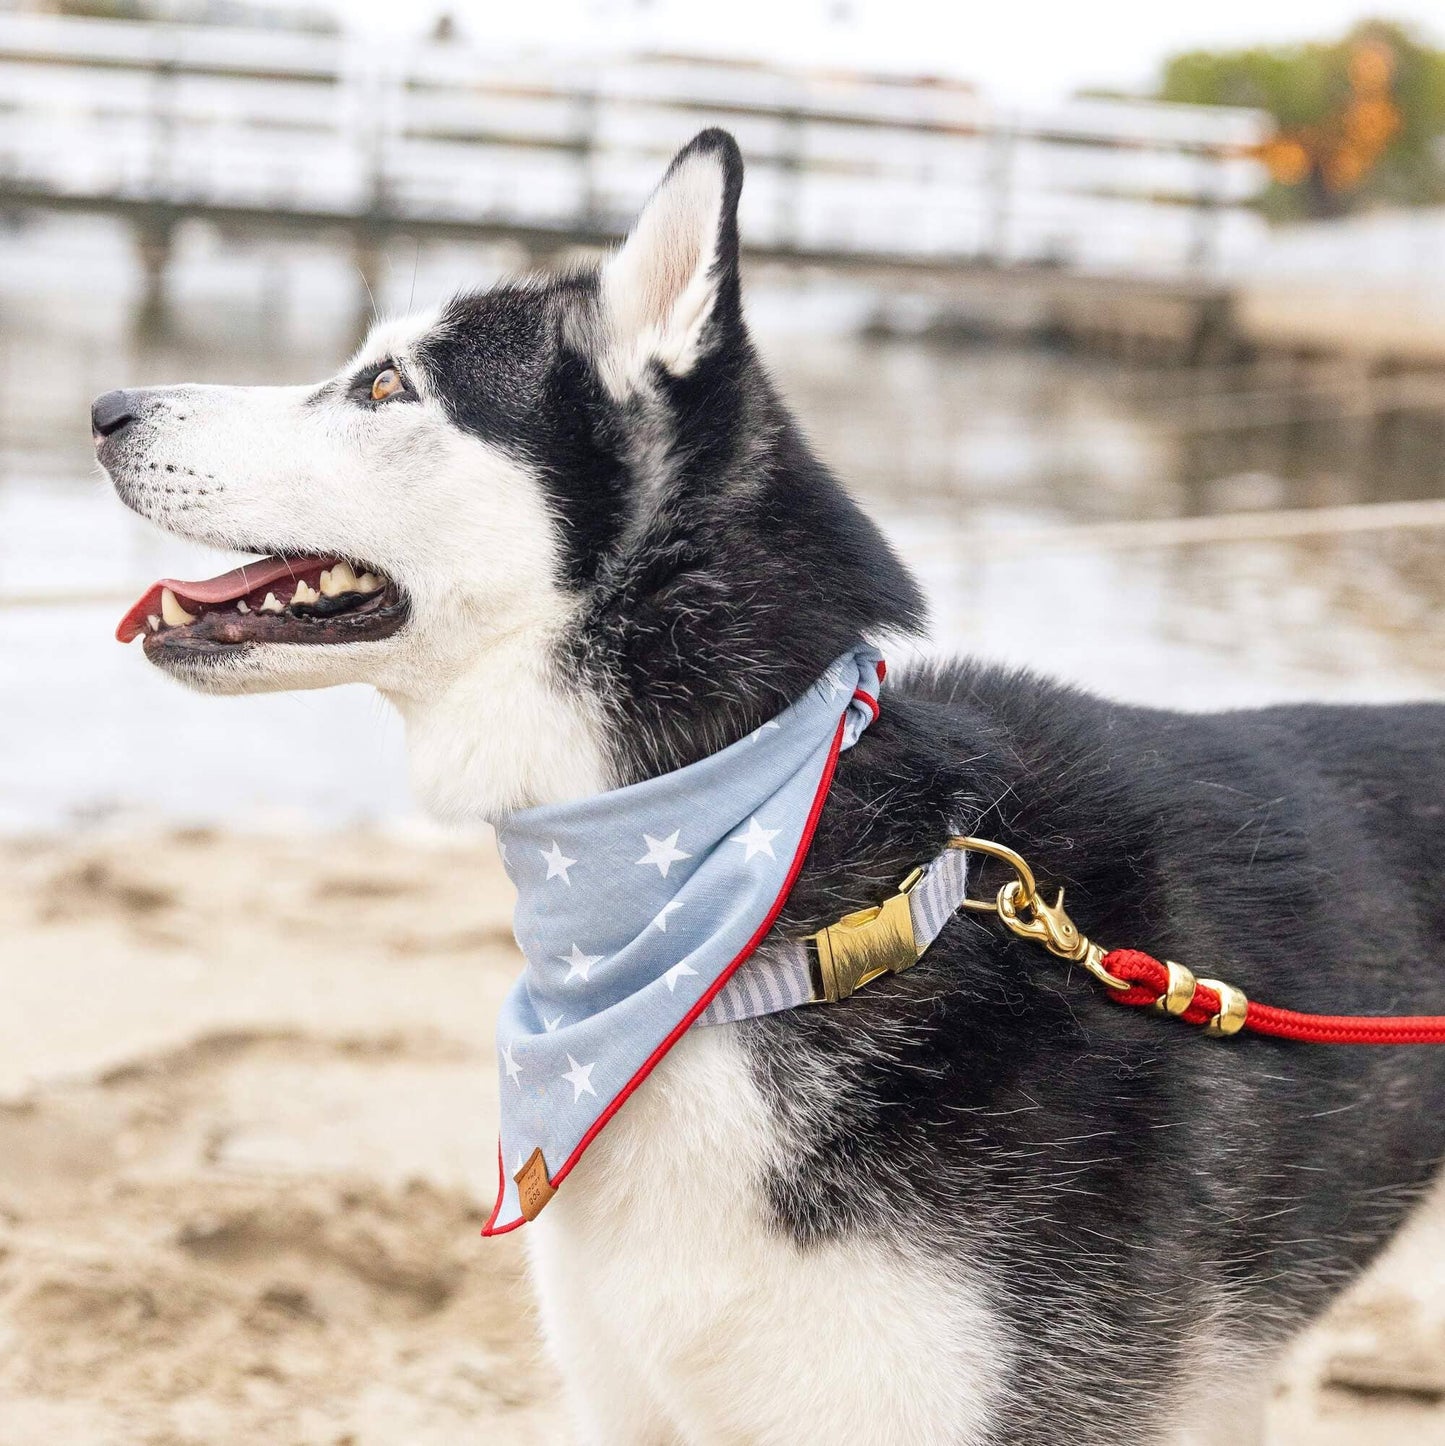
pixel 663 852
pixel 518 1163
pixel 756 839
pixel 580 963
pixel 835 682
pixel 551 1024
pixel 557 863
pixel 512 1067
pixel 660 922
pixel 758 732
pixel 676 973
pixel 580 1078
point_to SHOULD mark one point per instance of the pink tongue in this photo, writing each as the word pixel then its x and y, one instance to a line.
pixel 228 587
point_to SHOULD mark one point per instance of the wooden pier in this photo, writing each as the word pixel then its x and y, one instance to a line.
pixel 1107 217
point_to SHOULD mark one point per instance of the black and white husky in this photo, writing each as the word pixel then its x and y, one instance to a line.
pixel 570 529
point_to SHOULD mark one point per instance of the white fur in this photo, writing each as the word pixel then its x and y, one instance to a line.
pixel 658 290
pixel 462 526
pixel 679 1313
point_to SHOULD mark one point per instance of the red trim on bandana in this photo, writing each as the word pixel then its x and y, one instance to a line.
pixel 618 1100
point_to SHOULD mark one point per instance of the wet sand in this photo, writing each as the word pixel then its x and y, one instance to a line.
pixel 247 1142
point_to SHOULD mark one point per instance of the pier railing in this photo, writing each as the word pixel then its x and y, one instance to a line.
pixel 268 128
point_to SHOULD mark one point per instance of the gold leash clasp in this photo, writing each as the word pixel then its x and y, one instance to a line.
pixel 1020 905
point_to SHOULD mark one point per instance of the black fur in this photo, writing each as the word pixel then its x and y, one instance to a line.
pixel 1137 1187
pixel 498 362
pixel 1138 1192
pixel 747 567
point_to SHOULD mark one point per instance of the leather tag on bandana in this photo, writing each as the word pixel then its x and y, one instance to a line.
pixel 534 1189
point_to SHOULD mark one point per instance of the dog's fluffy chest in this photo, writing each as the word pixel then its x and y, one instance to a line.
pixel 677 1309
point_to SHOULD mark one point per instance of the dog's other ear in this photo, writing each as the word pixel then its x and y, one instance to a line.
pixel 673 288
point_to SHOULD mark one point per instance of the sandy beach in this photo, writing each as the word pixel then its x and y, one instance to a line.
pixel 246 1145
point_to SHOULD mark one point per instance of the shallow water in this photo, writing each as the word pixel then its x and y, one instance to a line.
pixel 964 455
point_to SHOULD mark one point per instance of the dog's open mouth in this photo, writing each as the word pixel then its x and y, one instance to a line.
pixel 271 600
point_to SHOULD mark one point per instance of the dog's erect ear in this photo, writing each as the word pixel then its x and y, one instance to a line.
pixel 674 284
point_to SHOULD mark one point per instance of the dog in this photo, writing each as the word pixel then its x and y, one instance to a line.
pixel 570 529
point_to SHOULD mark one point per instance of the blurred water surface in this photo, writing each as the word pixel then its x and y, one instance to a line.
pixel 964 452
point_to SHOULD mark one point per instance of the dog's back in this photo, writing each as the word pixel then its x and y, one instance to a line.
pixel 1162 1195
pixel 1383 770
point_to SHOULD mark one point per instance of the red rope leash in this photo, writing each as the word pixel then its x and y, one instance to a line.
pixel 1139 979
pixel 1149 982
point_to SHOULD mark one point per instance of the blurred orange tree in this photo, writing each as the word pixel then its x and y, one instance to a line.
pixel 1359 121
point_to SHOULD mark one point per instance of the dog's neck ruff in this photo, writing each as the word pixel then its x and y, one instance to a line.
pixel 634 910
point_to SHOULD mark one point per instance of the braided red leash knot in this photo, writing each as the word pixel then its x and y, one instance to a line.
pixel 1149 980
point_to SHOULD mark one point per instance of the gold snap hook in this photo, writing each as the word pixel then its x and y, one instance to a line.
pixel 1007 906
pixel 1027 887
pixel 1061 934
pixel 1046 924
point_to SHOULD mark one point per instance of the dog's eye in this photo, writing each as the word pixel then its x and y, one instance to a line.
pixel 386 383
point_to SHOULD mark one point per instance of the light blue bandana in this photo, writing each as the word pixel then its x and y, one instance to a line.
pixel 634 909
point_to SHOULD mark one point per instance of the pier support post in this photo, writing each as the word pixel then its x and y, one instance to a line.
pixel 154 246
pixel 1215 335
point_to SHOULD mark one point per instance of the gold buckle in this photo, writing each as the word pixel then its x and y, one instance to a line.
pixel 864 945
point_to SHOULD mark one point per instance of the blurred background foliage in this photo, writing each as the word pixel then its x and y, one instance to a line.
pixel 1361 120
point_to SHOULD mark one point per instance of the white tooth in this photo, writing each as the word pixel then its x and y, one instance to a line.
pixel 241 606
pixel 369 582
pixel 340 579
pixel 304 594
pixel 175 615
pixel 154 621
pixel 324 583
pixel 271 605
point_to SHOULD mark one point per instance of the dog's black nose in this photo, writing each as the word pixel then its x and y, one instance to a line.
pixel 112 412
